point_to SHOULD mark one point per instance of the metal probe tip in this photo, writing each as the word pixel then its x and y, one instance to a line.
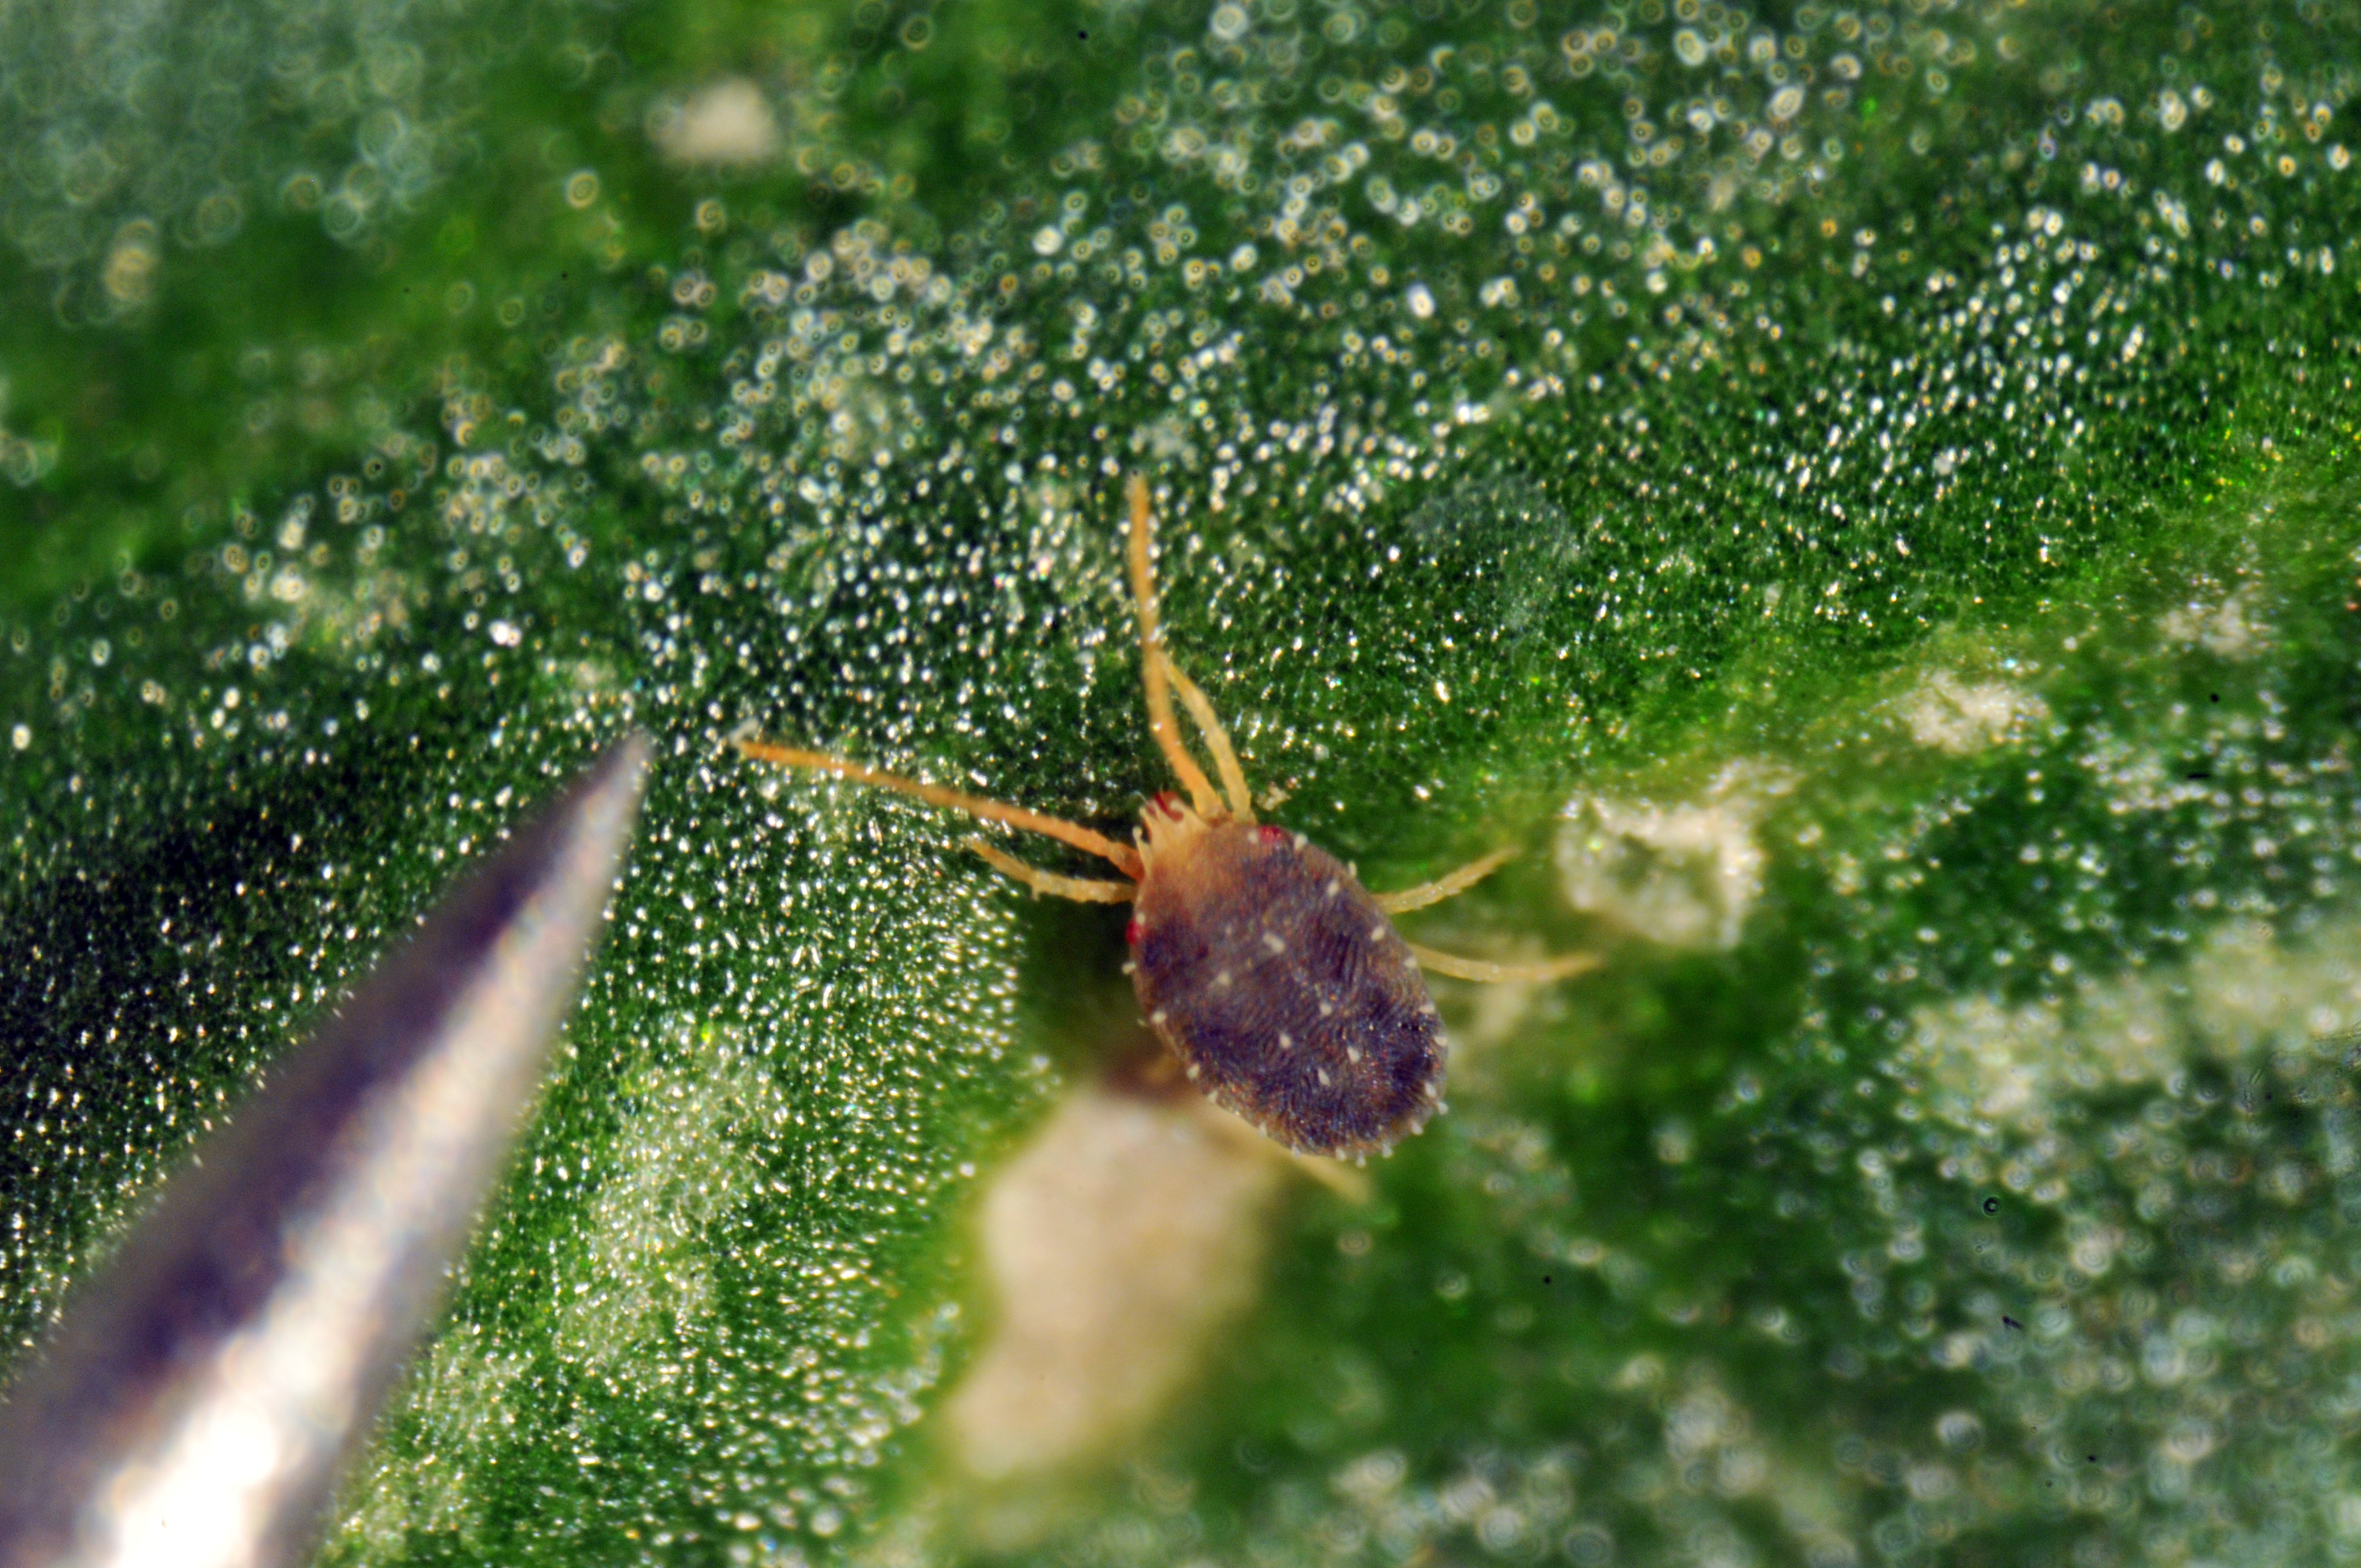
pixel 191 1407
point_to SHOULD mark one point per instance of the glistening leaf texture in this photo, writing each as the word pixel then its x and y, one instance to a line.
pixel 1862 497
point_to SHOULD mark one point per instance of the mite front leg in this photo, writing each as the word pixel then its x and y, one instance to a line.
pixel 1083 889
pixel 1157 690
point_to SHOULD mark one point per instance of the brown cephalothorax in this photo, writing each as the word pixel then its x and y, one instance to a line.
pixel 1261 962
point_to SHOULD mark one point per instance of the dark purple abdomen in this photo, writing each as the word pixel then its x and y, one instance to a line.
pixel 1268 969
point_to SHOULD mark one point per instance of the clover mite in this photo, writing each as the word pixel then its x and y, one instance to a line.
pixel 1262 963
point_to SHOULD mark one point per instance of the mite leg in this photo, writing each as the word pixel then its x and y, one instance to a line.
pixel 1123 856
pixel 1160 722
pixel 1476 969
pixel 1346 1182
pixel 1080 889
pixel 1449 886
pixel 1217 740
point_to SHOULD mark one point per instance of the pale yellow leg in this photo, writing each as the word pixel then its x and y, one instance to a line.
pixel 1160 722
pixel 1217 740
pixel 1477 969
pixel 1123 856
pixel 1449 886
pixel 1082 889
pixel 1351 1185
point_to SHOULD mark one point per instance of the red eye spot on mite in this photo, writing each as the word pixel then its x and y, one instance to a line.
pixel 1260 959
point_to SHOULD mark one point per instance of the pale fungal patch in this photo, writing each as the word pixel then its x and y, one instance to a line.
pixel 2228 628
pixel 637 1288
pixel 1122 1236
pixel 1950 715
pixel 1683 874
pixel 1518 1504
pixel 2244 984
pixel 458 1398
pixel 1984 1062
pixel 2136 777
pixel 644 1278
pixel 724 122
pixel 1987 1062
pixel 1707 1428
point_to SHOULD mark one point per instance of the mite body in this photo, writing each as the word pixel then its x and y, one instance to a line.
pixel 1260 960
pixel 1266 967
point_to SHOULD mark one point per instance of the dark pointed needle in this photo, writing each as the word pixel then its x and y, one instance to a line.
pixel 192 1405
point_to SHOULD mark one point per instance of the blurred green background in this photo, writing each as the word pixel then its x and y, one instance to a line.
pixel 1864 499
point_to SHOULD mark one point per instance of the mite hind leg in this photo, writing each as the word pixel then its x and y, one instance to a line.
pixel 1352 1186
pixel 1451 885
pixel 1084 890
pixel 1161 1077
pixel 1458 967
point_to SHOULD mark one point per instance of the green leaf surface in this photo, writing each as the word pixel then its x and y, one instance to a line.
pixel 1863 499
